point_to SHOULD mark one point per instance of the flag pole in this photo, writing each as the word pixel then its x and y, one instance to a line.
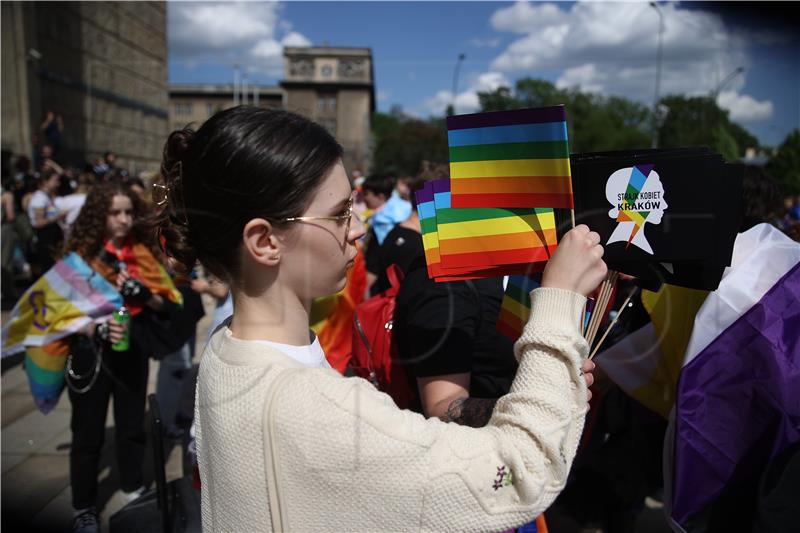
pixel 600 308
pixel 625 305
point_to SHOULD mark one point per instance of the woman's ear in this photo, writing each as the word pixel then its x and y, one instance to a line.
pixel 261 243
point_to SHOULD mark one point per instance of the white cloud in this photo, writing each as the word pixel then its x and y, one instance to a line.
pixel 383 96
pixel 744 108
pixel 249 33
pixel 523 17
pixel 611 47
pixel 466 101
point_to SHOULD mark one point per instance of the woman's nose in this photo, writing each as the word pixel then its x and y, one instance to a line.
pixel 357 229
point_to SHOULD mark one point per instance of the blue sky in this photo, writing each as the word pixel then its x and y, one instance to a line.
pixel 608 48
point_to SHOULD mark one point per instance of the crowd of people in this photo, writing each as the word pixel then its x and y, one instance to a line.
pixel 256 210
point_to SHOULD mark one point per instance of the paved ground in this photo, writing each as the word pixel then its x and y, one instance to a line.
pixel 35 457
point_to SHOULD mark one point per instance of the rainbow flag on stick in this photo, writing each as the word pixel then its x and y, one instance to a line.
pixel 516 306
pixel 436 194
pixel 517 158
pixel 487 237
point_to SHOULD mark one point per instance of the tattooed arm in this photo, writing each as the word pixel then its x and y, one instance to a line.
pixel 474 412
pixel 447 397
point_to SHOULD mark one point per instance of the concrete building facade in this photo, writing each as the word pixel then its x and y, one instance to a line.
pixel 333 86
pixel 194 104
pixel 101 65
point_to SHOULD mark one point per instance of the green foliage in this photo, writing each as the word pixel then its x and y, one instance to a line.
pixel 595 123
pixel 785 164
pixel 724 144
pixel 699 121
pixel 402 145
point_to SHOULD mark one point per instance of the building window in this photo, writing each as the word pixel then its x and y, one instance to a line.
pixel 183 108
pixel 326 102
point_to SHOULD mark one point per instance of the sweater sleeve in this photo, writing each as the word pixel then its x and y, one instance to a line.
pixel 451 477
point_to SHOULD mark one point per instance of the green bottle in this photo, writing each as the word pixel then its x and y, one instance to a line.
pixel 123 317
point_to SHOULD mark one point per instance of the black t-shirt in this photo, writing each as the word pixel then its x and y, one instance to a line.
pixel 372 253
pixel 400 247
pixel 450 328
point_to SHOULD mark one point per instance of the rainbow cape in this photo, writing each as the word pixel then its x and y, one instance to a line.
pixel 141 265
pixel 517 158
pixel 69 297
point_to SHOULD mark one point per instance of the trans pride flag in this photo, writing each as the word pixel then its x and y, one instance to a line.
pixel 517 158
pixel 69 297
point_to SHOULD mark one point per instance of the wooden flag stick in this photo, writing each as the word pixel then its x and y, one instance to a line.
pixel 625 305
pixel 602 304
pixel 593 316
pixel 607 298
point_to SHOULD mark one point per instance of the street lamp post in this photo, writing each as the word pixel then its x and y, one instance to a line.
pixel 658 72
pixel 236 85
pixel 724 82
pixel 455 80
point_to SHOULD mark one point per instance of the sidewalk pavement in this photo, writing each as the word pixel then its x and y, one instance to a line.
pixel 35 455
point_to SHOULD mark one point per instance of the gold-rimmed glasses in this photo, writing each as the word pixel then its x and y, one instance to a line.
pixel 346 217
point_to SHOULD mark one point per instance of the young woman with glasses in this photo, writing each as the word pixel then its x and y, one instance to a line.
pixel 284 443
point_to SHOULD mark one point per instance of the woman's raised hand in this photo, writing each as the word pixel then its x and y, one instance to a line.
pixel 577 264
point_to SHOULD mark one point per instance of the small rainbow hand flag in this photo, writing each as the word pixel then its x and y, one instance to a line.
pixel 490 237
pixel 426 208
pixel 516 306
pixel 517 158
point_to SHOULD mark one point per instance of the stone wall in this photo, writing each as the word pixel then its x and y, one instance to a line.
pixel 103 67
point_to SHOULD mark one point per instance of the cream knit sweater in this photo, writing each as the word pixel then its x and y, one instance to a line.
pixel 282 447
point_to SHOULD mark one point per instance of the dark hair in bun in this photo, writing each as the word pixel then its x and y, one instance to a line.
pixel 242 163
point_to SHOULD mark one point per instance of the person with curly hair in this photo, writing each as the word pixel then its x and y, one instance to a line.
pixel 111 234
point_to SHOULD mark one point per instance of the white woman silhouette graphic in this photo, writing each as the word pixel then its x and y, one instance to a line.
pixel 637 195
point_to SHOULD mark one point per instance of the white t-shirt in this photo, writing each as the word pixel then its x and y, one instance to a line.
pixel 311 356
pixel 41 200
pixel 72 204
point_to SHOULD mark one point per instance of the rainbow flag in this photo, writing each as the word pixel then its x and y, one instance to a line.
pixel 69 297
pixel 142 265
pixel 426 209
pixel 517 158
pixel 489 237
pixel 515 308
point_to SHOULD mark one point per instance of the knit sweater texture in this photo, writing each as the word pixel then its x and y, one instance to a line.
pixel 282 447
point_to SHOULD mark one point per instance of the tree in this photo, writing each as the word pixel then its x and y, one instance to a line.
pixel 498 100
pixel 785 164
pixel 595 123
pixel 699 121
pixel 402 146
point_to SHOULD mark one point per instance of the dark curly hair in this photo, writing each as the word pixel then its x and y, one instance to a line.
pixel 89 231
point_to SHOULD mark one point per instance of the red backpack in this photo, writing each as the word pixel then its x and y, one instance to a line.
pixel 374 353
